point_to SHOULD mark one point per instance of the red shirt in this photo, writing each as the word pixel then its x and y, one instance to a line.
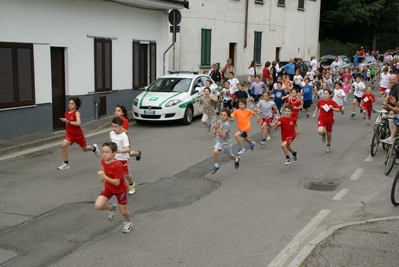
pixel 294 102
pixel 287 126
pixel 125 123
pixel 326 116
pixel 114 171
pixel 369 103
pixel 72 130
pixel 266 74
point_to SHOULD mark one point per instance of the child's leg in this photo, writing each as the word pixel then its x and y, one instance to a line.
pixel 263 126
pixel 369 114
pixel 215 156
pixel 101 203
pixel 321 130
pixel 64 149
pixel 129 177
pixel 237 136
pixel 249 141
pixel 124 212
pixel 354 105
pixel 87 148
pixel 290 149
pixel 329 137
pixel 284 147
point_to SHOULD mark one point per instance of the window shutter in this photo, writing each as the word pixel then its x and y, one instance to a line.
pixel 107 66
pixel 6 75
pixel 136 64
pixel 98 65
pixel 24 74
pixel 153 61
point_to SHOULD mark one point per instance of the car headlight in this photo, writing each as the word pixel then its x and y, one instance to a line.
pixel 136 102
pixel 172 103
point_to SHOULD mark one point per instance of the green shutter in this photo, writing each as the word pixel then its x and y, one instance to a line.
pixel 206 35
pixel 258 47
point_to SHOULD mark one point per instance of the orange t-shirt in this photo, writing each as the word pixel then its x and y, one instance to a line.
pixel 286 85
pixel 243 119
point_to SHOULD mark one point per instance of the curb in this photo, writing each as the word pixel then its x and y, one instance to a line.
pixel 308 249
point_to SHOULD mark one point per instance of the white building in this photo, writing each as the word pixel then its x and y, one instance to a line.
pixel 98 50
pixel 263 30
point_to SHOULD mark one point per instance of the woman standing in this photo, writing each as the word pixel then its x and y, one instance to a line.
pixel 251 71
pixel 266 77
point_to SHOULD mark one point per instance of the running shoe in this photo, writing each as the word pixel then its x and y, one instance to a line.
pixel 132 189
pixel 342 112
pixel 294 155
pixel 127 227
pixel 138 156
pixel 368 122
pixel 252 147
pixel 215 170
pixel 97 151
pixel 287 161
pixel 241 150
pixel 328 150
pixel 111 213
pixel 263 142
pixel 364 117
pixel 208 127
pixel 237 163
pixel 307 115
pixel 268 138
pixel 63 167
pixel 323 138
pixel 353 114
pixel 388 140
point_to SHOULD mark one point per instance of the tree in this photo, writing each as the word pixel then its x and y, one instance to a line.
pixel 360 21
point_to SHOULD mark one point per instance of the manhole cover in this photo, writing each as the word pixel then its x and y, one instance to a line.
pixel 35 154
pixel 321 186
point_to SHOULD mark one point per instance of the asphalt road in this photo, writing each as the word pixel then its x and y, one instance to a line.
pixel 259 215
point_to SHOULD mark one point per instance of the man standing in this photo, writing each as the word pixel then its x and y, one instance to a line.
pixel 313 63
pixel 335 63
pixel 226 69
pixel 290 69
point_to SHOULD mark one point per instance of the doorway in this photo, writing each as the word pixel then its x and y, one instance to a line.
pixel 58 86
pixel 278 53
pixel 232 52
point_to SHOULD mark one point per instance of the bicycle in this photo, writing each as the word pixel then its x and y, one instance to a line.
pixel 392 155
pixel 381 130
pixel 395 190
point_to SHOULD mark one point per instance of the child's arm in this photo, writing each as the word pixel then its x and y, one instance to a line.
pixel 315 111
pixel 299 129
pixel 214 99
pixel 277 125
pixel 257 117
pixel 126 149
pixel 104 177
pixel 199 105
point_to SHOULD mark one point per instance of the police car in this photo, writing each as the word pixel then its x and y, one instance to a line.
pixel 171 97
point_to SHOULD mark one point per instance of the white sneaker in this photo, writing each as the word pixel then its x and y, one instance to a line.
pixel 97 152
pixel 241 150
pixel 268 138
pixel 111 213
pixel 132 189
pixel 328 150
pixel 127 227
pixel 63 167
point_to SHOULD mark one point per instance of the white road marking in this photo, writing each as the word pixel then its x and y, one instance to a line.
pixel 340 195
pixel 299 239
pixel 357 173
pixel 369 158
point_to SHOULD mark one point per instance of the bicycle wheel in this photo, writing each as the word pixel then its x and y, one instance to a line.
pixel 386 133
pixel 391 157
pixel 375 141
pixel 395 190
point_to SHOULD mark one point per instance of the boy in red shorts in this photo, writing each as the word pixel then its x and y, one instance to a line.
pixel 114 184
pixel 243 117
pixel 325 122
pixel 74 133
pixel 288 134
pixel 295 102
pixel 367 103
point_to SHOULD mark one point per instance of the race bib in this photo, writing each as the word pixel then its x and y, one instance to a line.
pixel 366 99
pixel 326 107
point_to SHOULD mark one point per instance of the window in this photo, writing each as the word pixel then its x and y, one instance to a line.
pixel 17 85
pixel 206 47
pixel 281 3
pixel 257 46
pixel 259 2
pixel 301 4
pixel 144 62
pixel 103 64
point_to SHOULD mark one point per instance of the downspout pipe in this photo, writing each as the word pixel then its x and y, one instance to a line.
pixel 246 24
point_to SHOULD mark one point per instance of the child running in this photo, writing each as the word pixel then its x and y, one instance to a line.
pixel 367 103
pixel 288 134
pixel 121 111
pixel 208 110
pixel 114 184
pixel 339 96
pixel 243 117
pixel 307 94
pixel 326 117
pixel 295 102
pixel 74 133
pixel 266 108
pixel 221 132
pixel 120 138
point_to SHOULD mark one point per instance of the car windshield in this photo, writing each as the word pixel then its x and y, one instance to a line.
pixel 346 60
pixel 328 61
pixel 170 85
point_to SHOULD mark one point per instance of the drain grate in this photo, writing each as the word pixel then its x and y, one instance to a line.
pixel 321 186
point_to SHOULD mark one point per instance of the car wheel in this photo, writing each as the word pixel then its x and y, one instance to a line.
pixel 188 116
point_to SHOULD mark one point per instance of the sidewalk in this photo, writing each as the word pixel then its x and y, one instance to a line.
pixel 22 143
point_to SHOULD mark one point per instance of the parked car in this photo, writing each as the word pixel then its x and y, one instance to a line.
pixel 171 97
pixel 342 59
pixel 368 60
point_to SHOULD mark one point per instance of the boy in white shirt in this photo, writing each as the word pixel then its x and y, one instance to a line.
pixel 310 74
pixel 359 89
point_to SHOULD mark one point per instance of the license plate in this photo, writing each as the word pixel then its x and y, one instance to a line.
pixel 150 112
